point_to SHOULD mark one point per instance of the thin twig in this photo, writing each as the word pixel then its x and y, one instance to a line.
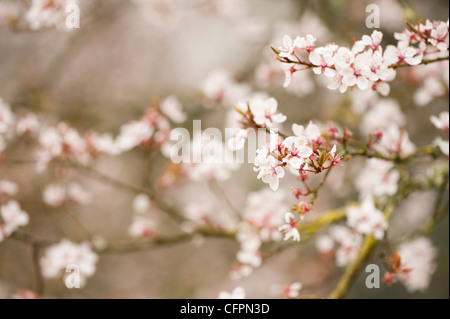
pixel 165 207
pixel 215 187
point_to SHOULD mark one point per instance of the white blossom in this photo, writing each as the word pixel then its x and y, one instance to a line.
pixel 296 151
pixel 419 256
pixel 63 141
pixel 238 140
pixel 366 65
pixel 133 134
pixel 220 88
pixel 57 257
pixel 311 133
pixel 444 147
pixel 264 113
pixel 103 144
pixel 348 242
pixel 395 141
pixel 237 293
pixel 57 195
pixel 290 228
pixel 54 195
pixel 173 109
pixel 384 113
pixel 264 213
pixel 324 244
pixel 292 290
pixel 48 13
pixel 269 170
pixel 28 124
pixel 215 162
pixel 141 226
pixel 409 55
pixel 440 36
pixel 441 122
pixel 8 188
pixel 432 87
pixel 307 43
pixel 323 59
pixel 13 217
pixel 377 178
pixel 290 45
pixel 141 204
pixel 373 41
pixel 367 219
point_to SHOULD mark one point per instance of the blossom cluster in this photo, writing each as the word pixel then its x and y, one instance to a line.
pixel 63 142
pixel 433 82
pixel 48 13
pixel 269 73
pixel 66 253
pixel 300 154
pixel 236 293
pixel 367 219
pixel 441 123
pixel 366 64
pixel 153 128
pixel 7 121
pixel 214 164
pixel 292 290
pixel 143 224
pixel 419 256
pixel 341 243
pixel 377 178
pixel 57 195
pixel 262 219
pixel 311 149
pixel 205 214
pixel 11 216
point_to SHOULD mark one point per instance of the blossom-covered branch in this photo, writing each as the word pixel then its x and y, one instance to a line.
pixel 366 64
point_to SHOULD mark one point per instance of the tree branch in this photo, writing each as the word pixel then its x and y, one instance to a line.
pixel 39 281
pixel 352 270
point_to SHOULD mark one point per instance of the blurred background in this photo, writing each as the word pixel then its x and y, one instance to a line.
pixel 128 53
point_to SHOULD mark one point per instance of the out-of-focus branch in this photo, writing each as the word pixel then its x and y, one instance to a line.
pixel 353 270
pixel 39 281
pixel 135 246
pixel 443 189
pixel 215 187
pixel 28 239
pixel 427 150
pixel 165 207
